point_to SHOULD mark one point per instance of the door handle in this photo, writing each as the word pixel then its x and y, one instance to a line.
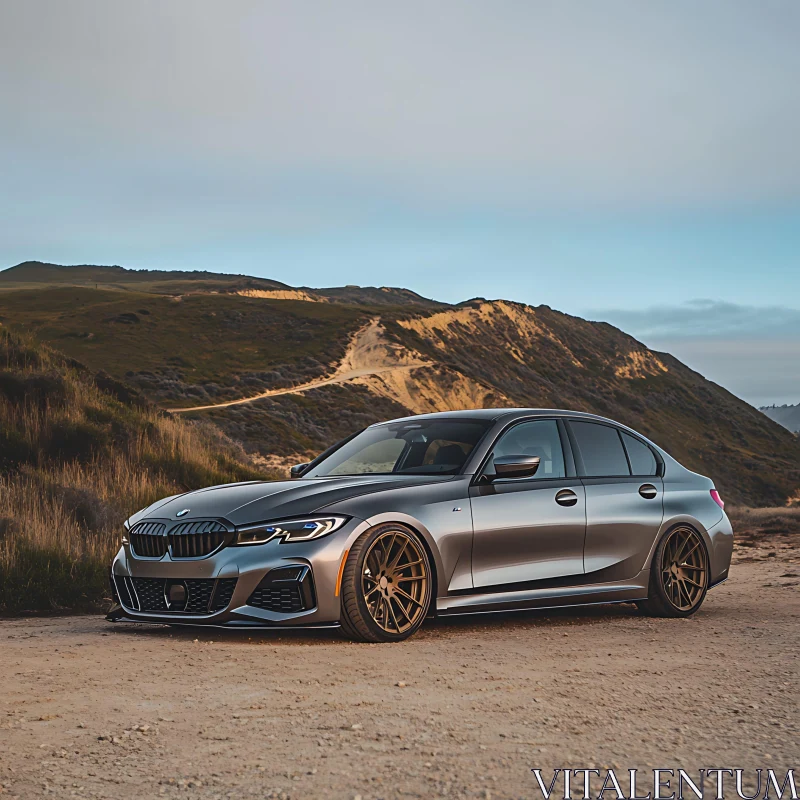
pixel 566 497
pixel 648 491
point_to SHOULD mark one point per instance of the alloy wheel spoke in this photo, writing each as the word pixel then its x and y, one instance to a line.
pixel 409 564
pixel 408 597
pixel 402 609
pixel 371 592
pixel 394 618
pixel 387 553
pixel 393 564
pixel 686 557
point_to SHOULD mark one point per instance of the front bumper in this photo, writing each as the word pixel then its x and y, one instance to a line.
pixel 236 587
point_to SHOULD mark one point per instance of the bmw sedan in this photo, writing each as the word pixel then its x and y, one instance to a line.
pixel 451 513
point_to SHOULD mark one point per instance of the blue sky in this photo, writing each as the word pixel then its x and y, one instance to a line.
pixel 631 162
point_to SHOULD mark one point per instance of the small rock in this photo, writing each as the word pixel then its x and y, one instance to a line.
pixel 401 684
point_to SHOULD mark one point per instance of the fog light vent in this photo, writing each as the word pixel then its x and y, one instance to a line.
pixel 286 590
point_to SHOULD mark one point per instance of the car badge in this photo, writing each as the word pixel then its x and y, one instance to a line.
pixel 182 513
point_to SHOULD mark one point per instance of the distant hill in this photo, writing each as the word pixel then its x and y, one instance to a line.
pixel 322 363
pixel 788 416
pixel 35 273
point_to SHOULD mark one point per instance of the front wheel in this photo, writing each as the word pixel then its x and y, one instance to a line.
pixel 678 575
pixel 386 585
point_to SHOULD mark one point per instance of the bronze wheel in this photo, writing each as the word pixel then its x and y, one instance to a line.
pixel 386 585
pixel 394 581
pixel 679 574
pixel 684 569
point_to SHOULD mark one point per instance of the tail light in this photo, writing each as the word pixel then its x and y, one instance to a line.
pixel 717 499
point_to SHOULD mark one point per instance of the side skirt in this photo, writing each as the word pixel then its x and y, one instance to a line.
pixel 550 597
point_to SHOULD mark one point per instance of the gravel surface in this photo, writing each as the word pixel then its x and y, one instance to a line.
pixel 464 709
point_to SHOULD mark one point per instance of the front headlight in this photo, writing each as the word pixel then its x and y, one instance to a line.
pixel 293 530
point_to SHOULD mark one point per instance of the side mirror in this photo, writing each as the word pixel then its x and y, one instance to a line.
pixel 515 466
pixel 298 469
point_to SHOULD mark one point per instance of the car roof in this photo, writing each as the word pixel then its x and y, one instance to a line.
pixel 496 414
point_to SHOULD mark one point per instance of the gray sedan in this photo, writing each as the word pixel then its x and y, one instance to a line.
pixel 450 513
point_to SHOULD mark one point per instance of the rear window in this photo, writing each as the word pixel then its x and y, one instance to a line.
pixel 643 462
pixel 600 448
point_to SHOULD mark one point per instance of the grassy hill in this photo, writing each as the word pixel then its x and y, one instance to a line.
pixel 35 274
pixel 79 452
pixel 215 345
pixel 202 346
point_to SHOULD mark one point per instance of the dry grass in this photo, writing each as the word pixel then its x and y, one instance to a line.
pixel 751 524
pixel 78 454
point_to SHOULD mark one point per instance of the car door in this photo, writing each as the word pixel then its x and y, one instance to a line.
pixel 624 498
pixel 529 529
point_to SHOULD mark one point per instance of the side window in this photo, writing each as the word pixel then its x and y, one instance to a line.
pixel 643 462
pixel 536 438
pixel 601 449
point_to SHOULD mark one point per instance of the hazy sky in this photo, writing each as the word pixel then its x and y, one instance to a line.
pixel 631 161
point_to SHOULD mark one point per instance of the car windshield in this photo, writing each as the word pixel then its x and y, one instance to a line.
pixel 419 447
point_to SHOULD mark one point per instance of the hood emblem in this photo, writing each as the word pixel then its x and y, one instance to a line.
pixel 182 513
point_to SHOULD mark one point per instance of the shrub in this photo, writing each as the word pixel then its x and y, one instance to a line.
pixel 78 454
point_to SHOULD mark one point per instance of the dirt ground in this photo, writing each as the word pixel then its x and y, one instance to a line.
pixel 464 709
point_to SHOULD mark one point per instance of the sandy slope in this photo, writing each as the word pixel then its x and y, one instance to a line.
pixel 367 354
pixel 95 710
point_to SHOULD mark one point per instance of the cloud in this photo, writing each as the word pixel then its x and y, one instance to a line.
pixel 705 319
pixel 753 351
pixel 540 104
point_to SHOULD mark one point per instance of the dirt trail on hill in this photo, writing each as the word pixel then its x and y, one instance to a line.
pixel 369 353
pixel 463 710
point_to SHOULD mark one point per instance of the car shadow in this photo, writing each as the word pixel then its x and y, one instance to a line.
pixel 443 626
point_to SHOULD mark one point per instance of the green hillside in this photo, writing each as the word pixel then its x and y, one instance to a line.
pixel 209 347
pixel 201 346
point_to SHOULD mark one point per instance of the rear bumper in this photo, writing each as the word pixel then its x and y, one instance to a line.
pixel 721 550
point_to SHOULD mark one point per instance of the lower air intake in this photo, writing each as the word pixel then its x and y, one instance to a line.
pixel 154 595
pixel 286 590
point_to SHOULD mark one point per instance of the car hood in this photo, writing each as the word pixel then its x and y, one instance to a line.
pixel 259 501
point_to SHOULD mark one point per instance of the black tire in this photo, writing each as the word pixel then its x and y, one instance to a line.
pixel 668 595
pixel 360 580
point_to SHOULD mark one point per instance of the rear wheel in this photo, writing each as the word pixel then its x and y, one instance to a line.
pixel 678 575
pixel 386 585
